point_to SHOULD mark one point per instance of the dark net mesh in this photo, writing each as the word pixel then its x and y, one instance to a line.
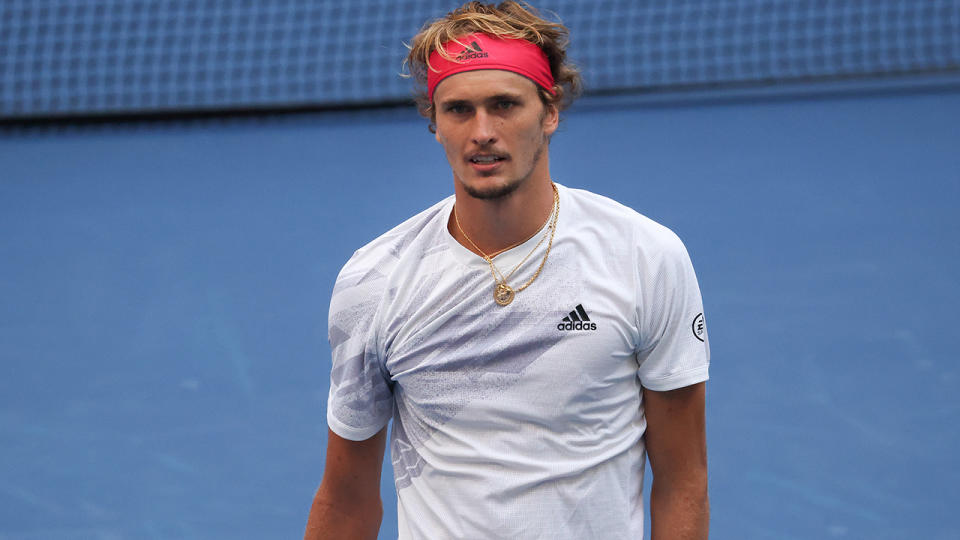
pixel 63 57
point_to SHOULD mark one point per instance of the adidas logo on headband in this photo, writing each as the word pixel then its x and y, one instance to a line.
pixel 472 52
pixel 489 52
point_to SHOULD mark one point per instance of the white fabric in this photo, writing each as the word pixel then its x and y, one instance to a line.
pixel 506 425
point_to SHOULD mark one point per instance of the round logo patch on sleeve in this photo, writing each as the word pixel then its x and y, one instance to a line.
pixel 699 327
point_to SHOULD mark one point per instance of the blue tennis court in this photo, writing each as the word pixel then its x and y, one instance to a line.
pixel 164 287
pixel 165 294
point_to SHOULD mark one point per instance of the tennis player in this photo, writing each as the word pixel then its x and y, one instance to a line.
pixel 532 342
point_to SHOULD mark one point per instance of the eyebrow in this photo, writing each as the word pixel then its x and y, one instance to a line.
pixel 493 98
pixel 451 102
pixel 504 95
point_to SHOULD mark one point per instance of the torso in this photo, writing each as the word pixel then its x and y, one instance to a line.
pixel 515 421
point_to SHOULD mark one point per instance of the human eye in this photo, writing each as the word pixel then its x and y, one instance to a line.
pixel 506 104
pixel 457 108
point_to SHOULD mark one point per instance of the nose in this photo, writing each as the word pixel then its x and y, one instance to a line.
pixel 484 130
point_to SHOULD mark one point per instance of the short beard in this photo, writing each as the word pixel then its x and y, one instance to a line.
pixel 498 192
pixel 501 192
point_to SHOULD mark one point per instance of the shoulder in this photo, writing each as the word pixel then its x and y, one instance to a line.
pixel 393 244
pixel 364 276
pixel 615 219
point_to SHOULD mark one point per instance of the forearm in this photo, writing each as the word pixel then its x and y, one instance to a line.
pixel 680 510
pixel 329 520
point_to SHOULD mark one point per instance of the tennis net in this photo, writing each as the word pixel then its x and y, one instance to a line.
pixel 102 57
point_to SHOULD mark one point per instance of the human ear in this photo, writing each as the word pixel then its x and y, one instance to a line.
pixel 551 119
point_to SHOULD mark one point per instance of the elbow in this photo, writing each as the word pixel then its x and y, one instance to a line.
pixel 338 515
pixel 690 483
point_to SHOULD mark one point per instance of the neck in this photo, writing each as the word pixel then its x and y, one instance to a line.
pixel 497 224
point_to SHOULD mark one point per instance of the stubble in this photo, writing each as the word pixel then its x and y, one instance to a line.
pixel 505 190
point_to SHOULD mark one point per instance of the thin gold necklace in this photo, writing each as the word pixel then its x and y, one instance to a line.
pixel 524 241
pixel 503 294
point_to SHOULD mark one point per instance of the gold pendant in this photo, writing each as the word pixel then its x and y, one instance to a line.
pixel 503 294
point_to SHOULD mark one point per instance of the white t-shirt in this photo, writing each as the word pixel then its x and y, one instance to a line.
pixel 523 421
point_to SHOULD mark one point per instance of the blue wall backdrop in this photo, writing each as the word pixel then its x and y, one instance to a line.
pixel 164 287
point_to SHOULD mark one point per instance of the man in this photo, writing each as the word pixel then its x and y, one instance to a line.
pixel 532 342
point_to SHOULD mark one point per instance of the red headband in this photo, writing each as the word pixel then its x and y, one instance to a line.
pixel 483 51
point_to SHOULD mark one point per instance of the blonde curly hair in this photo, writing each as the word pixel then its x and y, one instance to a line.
pixel 516 20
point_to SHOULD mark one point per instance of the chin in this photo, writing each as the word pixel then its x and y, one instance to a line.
pixel 491 190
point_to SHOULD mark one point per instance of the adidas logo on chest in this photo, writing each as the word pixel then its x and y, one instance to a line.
pixel 577 320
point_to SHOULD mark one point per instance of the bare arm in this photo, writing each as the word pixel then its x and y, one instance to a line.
pixel 347 505
pixel 676 442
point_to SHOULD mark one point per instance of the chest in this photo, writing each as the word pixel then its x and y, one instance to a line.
pixel 564 344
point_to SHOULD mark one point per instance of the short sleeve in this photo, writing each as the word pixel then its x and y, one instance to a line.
pixel 360 402
pixel 673 349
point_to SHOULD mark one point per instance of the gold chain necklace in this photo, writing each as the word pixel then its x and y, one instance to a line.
pixel 503 294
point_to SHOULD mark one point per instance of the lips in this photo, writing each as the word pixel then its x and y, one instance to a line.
pixel 486 159
pixel 486 164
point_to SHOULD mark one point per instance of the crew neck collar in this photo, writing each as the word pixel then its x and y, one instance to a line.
pixel 504 261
